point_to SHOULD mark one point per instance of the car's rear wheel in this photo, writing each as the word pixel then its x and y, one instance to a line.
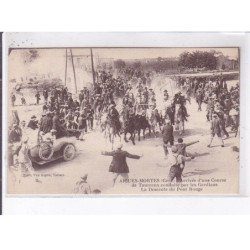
pixel 68 152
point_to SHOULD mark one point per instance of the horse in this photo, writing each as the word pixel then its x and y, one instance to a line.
pixel 141 123
pixel 129 127
pixel 154 120
pixel 110 128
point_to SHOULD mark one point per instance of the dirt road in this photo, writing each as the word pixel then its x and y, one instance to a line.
pixel 217 166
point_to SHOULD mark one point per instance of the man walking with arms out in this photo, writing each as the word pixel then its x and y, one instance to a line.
pixel 119 165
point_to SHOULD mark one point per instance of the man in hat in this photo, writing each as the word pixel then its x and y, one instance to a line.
pixel 177 163
pixel 23 101
pixel 167 136
pixel 199 98
pixel 165 95
pixel 46 123
pixel 37 95
pixel 210 108
pixel 82 186
pixel 81 96
pixel 181 146
pixel 13 99
pixel 151 94
pixel 56 121
pixel 119 165
pixel 216 129
pixel 114 117
pixel 33 123
pixel 82 123
pixel 69 119
pixel 221 116
pixel 23 127
pixel 45 95
pixel 15 134
pixel 90 116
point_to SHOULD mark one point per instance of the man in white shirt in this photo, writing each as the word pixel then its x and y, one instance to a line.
pixel 177 164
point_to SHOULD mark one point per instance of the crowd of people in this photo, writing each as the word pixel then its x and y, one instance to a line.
pixel 222 103
pixel 64 113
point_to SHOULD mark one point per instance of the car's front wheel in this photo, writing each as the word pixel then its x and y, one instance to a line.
pixel 68 152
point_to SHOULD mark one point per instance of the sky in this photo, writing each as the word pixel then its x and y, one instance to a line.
pixel 53 60
pixel 138 53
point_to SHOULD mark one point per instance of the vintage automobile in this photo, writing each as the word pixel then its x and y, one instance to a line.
pixel 45 151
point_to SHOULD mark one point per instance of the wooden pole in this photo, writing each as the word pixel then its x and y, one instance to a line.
pixel 73 70
pixel 66 66
pixel 92 66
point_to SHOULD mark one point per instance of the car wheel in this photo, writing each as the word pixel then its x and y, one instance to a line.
pixel 68 152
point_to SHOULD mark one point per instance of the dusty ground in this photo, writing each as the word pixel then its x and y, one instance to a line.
pixel 217 167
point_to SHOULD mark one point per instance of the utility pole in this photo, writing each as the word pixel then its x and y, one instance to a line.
pixel 66 65
pixel 73 70
pixel 92 66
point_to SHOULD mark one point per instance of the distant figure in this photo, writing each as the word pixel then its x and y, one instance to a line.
pixel 46 123
pixel 13 99
pixel 23 128
pixel 119 165
pixel 45 95
pixel 15 134
pixel 33 123
pixel 23 100
pixel 82 186
pixel 216 129
pixel 199 98
pixel 37 95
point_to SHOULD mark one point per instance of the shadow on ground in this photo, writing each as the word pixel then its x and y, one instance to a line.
pixel 200 172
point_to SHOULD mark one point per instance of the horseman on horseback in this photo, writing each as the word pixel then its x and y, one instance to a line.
pixel 129 122
pixel 113 119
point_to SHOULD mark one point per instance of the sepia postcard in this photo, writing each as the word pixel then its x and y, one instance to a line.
pixel 123 121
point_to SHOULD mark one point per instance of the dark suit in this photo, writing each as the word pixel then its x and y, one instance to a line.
pixel 119 164
pixel 15 135
pixel 33 124
pixel 168 136
pixel 46 124
pixel 216 127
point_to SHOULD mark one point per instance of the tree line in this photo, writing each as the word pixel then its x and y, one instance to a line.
pixel 198 59
pixel 206 60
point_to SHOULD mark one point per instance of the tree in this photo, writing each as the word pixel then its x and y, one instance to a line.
pixel 119 64
pixel 198 59
pixel 137 65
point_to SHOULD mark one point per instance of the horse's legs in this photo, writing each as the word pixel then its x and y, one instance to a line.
pixel 182 130
pixel 118 133
pixel 112 140
pixel 154 130
pixel 125 136
pixel 132 137
pixel 149 129
pixel 144 133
